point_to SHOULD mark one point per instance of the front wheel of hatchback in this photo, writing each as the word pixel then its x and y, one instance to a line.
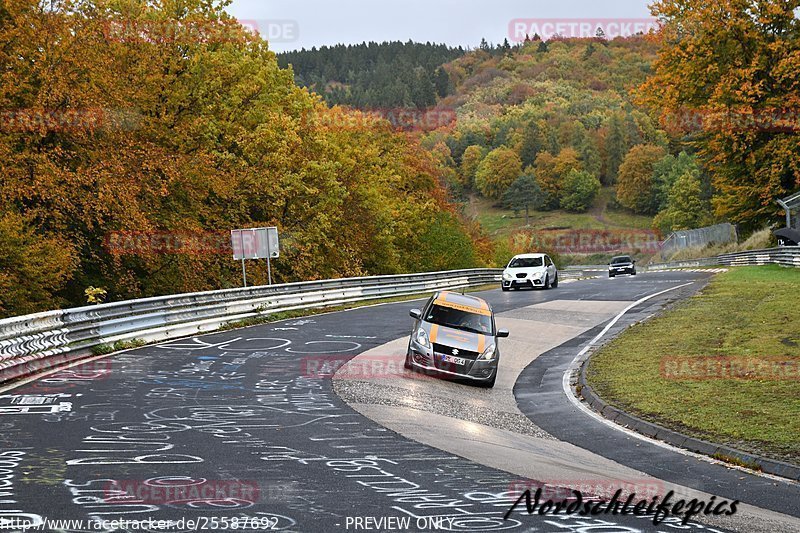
pixel 555 282
pixel 505 289
pixel 407 363
pixel 547 284
pixel 611 275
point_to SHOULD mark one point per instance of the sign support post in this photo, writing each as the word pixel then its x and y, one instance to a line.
pixel 269 266
pixel 244 268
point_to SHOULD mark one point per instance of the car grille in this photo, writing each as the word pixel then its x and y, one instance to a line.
pixel 448 350
pixel 521 276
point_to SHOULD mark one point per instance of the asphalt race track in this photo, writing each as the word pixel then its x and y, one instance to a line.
pixel 246 426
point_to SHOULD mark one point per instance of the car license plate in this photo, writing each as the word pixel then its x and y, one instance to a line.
pixel 455 360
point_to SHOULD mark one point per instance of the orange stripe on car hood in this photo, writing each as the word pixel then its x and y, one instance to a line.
pixel 434 332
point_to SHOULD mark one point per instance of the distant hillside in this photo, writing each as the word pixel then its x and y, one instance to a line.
pixel 548 126
pixel 375 75
pixel 547 96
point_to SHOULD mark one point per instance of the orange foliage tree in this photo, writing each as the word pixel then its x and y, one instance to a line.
pixel 552 171
pixel 635 187
pixel 141 117
pixel 728 74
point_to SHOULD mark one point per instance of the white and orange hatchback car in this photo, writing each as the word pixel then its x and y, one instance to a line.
pixel 455 336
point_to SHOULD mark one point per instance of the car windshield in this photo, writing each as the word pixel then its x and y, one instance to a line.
pixel 621 260
pixel 526 262
pixel 457 319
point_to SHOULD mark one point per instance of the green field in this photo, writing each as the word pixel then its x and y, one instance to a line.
pixel 499 222
pixel 748 313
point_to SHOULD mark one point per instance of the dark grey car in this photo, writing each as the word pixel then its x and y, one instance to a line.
pixel 622 264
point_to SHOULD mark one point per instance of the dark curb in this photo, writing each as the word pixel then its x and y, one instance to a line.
pixel 769 466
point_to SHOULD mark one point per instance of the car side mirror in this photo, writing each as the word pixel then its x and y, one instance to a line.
pixel 503 333
pixel 415 313
pixel 634 261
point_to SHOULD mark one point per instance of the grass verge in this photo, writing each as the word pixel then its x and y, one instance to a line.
pixel 660 370
pixel 499 222
pixel 104 349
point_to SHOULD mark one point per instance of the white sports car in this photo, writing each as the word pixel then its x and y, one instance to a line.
pixel 530 270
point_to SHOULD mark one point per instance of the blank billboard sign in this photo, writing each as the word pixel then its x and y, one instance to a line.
pixel 255 243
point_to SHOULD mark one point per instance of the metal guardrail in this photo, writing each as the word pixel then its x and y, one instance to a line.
pixel 32 343
pixel 580 272
pixel 698 238
pixel 788 256
pixel 585 268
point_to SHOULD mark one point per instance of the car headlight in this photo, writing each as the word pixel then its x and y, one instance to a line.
pixel 506 276
pixel 538 275
pixel 421 338
pixel 488 354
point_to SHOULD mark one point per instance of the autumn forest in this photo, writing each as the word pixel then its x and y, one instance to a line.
pixel 133 118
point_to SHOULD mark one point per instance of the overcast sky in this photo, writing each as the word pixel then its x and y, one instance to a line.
pixel 295 24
